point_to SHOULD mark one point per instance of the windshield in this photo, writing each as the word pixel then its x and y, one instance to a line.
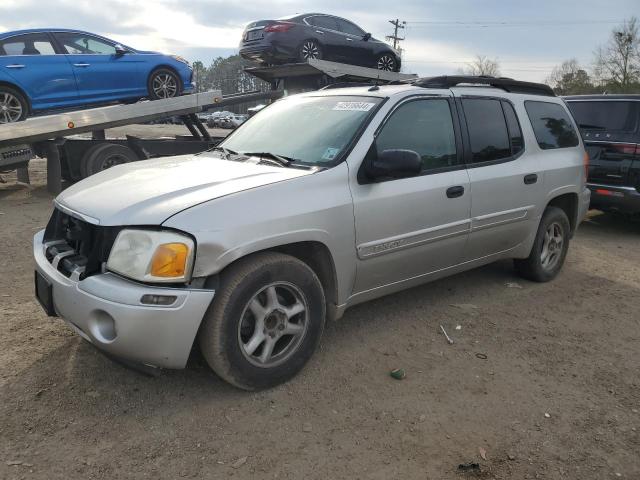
pixel 309 130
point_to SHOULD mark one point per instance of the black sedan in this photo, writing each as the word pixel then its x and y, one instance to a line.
pixel 315 36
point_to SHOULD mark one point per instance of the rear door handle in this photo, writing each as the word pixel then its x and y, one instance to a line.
pixel 454 192
pixel 81 64
pixel 530 179
pixel 320 32
pixel 15 65
pixel 349 39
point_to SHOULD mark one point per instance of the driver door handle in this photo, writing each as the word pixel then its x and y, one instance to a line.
pixel 455 192
pixel 81 64
pixel 15 65
pixel 320 32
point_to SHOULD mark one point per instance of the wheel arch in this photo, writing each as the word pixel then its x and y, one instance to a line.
pixel 165 66
pixel 568 202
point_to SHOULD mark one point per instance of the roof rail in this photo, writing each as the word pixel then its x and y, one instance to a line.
pixel 507 84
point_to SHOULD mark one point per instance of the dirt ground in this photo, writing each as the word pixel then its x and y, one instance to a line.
pixel 543 380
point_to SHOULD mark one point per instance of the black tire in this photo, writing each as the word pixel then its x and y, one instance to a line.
pixel 103 156
pixel 220 335
pixel 387 62
pixel 157 77
pixel 11 99
pixel 533 268
pixel 310 49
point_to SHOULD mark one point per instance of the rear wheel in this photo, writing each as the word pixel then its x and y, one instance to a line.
pixel 310 49
pixel 13 105
pixel 163 83
pixel 549 248
pixel 103 156
pixel 387 63
pixel 265 321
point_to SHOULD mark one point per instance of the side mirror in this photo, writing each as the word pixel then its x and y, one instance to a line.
pixel 366 37
pixel 395 164
pixel 120 50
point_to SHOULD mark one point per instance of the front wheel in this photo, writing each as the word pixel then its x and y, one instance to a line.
pixel 387 62
pixel 549 248
pixel 13 105
pixel 163 83
pixel 265 321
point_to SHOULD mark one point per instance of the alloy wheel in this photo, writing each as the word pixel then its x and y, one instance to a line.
pixel 552 246
pixel 310 50
pixel 273 324
pixel 10 108
pixel 386 62
pixel 165 85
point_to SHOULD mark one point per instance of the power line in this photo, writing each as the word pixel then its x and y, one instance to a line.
pixel 508 23
pixel 398 25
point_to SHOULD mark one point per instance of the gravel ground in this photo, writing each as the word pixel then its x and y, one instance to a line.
pixel 541 382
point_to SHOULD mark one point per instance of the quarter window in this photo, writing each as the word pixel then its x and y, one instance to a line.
pixel 424 126
pixel 29 44
pixel 487 129
pixel 83 44
pixel 551 125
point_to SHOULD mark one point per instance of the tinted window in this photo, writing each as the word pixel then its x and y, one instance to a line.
pixel 551 124
pixel 81 43
pixel 487 129
pixel 350 28
pixel 30 44
pixel 424 126
pixel 323 21
pixel 515 133
pixel 618 116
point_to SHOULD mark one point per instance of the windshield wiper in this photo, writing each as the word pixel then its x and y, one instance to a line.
pixel 279 159
pixel 224 150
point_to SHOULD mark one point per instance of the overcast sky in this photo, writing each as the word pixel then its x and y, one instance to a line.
pixel 527 37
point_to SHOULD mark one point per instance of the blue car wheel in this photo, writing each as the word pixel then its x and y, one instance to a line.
pixel 13 105
pixel 164 83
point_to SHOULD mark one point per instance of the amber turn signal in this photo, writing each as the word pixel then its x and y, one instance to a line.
pixel 170 260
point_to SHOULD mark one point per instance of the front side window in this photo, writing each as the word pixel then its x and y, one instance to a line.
pixel 487 129
pixel 551 125
pixel 612 116
pixel 349 28
pixel 28 44
pixel 310 130
pixel 424 126
pixel 83 44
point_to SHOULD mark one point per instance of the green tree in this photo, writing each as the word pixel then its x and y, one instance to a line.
pixel 570 78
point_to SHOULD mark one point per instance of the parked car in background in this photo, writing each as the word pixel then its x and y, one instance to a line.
pixel 610 126
pixel 315 36
pixel 215 118
pixel 320 202
pixel 45 69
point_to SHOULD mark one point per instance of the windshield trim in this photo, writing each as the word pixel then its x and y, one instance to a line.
pixel 348 148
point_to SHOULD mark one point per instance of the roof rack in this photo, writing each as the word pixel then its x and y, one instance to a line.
pixel 507 84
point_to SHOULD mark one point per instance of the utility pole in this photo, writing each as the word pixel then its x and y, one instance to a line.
pixel 397 25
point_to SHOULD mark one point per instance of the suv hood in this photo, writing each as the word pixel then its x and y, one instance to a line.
pixel 149 192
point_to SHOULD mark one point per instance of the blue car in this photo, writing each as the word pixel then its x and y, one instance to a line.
pixel 45 69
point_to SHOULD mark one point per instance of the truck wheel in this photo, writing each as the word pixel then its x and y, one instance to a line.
pixel 103 156
pixel 13 105
pixel 163 83
pixel 265 321
pixel 549 248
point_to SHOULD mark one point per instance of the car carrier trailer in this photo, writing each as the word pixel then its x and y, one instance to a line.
pixel 72 158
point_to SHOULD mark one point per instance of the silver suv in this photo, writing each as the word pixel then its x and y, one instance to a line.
pixel 319 202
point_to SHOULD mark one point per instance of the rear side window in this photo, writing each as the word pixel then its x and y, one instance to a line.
pixel 487 129
pixel 551 125
pixel 323 21
pixel 28 44
pixel 612 116
pixel 424 126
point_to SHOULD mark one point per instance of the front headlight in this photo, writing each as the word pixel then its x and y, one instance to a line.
pixel 152 256
pixel 180 59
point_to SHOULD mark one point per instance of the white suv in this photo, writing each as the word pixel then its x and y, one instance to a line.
pixel 317 203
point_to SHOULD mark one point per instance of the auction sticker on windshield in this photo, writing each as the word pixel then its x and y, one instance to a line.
pixel 354 106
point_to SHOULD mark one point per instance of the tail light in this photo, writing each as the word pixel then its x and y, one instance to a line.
pixel 585 161
pixel 279 27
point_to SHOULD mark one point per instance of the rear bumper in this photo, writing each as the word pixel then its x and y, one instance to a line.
pixel 267 52
pixel 105 310
pixel 614 198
